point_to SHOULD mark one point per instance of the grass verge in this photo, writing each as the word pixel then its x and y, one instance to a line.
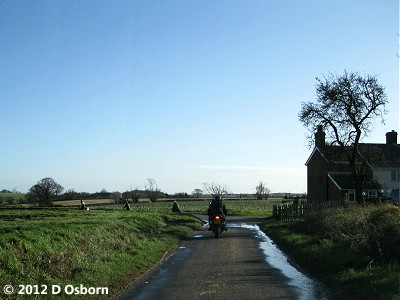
pixel 96 248
pixel 343 257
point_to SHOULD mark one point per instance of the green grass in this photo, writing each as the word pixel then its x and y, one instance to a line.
pixel 245 207
pixel 355 251
pixel 99 248
pixel 16 196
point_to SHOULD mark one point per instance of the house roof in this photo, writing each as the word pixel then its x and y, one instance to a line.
pixel 377 155
pixel 329 153
pixel 381 155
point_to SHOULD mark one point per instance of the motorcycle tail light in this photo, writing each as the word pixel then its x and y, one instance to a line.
pixel 217 217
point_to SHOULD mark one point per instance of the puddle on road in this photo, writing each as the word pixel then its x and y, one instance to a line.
pixel 198 236
pixel 306 287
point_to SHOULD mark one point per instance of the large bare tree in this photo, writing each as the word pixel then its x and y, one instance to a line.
pixel 346 107
pixel 216 188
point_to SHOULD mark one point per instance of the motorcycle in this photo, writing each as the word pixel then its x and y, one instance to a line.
pixel 217 224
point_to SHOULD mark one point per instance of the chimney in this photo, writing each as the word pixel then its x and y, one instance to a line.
pixel 320 137
pixel 391 138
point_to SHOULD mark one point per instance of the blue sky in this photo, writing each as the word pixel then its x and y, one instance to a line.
pixel 105 94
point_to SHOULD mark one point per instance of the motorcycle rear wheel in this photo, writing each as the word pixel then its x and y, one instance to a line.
pixel 216 231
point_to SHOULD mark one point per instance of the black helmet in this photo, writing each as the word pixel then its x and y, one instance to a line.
pixel 217 197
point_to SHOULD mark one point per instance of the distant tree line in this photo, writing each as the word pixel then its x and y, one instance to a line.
pixel 47 190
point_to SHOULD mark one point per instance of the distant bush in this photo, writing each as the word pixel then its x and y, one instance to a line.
pixel 373 231
pixel 7 200
pixel 12 198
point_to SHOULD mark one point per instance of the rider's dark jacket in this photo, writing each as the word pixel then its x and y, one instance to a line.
pixel 217 207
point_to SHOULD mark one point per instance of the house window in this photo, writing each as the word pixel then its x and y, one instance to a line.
pixel 372 194
pixel 395 175
pixel 350 196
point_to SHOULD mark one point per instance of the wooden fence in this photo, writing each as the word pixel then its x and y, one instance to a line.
pixel 298 209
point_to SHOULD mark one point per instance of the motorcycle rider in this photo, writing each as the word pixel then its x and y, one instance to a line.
pixel 217 207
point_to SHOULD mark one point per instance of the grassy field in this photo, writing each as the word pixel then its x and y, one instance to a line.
pixel 248 207
pixel 245 207
pixel 97 248
pixel 16 196
pixel 77 203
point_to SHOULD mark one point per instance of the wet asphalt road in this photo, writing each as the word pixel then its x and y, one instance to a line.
pixel 231 267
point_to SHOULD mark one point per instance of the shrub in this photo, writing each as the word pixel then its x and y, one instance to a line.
pixel 384 232
pixel 372 231
pixel 10 200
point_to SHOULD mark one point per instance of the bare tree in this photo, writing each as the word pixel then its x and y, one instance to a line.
pixel 152 189
pixel 44 190
pixel 216 188
pixel 262 192
pixel 346 107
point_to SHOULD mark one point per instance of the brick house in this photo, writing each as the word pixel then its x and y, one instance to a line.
pixel 329 176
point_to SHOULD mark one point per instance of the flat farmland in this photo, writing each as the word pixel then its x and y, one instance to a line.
pixel 88 202
pixel 236 207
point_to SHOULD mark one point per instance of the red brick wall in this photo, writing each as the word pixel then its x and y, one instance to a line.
pixel 334 194
pixel 317 185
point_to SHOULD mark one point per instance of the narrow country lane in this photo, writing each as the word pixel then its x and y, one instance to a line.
pixel 231 267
